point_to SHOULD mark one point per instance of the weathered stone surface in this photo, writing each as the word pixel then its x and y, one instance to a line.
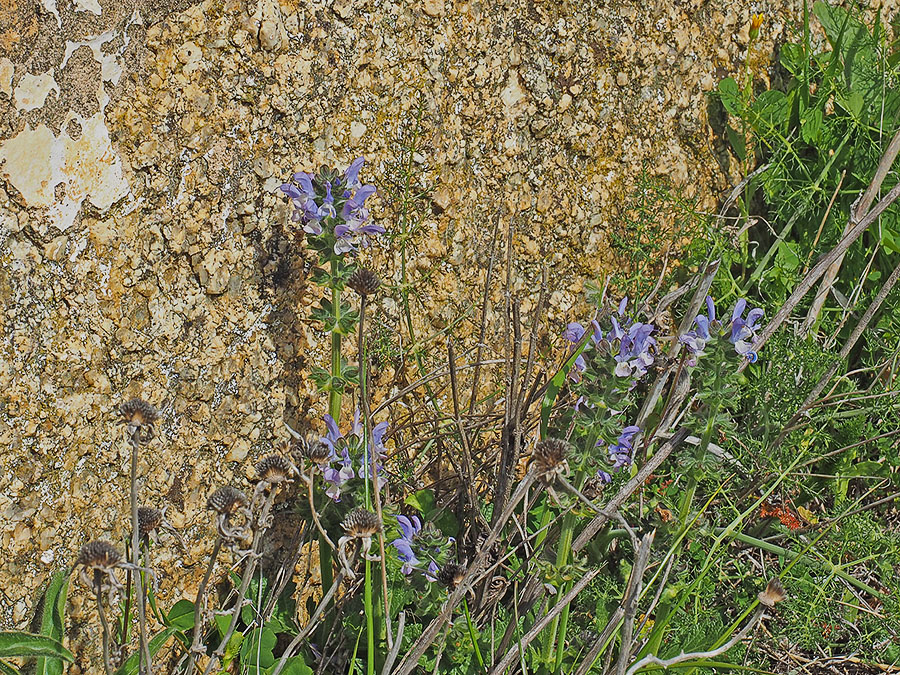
pixel 145 250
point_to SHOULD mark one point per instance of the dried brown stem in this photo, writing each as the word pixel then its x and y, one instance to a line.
pixel 819 268
pixel 635 583
pixel 545 621
pixel 628 489
pixel 196 647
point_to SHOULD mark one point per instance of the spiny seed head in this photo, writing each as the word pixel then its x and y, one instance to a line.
pixel 98 555
pixel 274 469
pixel 137 413
pixel 364 282
pixel 773 593
pixel 226 500
pixel 361 523
pixel 451 574
pixel 149 519
pixel 316 451
pixel 550 457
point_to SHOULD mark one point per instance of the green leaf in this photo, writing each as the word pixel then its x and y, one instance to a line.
pixel 157 642
pixel 730 95
pixel 257 648
pixel 555 385
pixel 181 616
pixel 738 144
pixel 792 58
pixel 293 666
pixel 771 108
pixel 19 643
pixel 423 500
pixel 787 257
pixel 53 620
pixel 811 126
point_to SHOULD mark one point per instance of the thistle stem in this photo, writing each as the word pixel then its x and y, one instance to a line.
pixel 198 605
pixel 103 622
pixel 252 559
pixel 145 662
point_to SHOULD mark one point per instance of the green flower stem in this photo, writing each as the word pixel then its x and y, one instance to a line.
pixel 691 487
pixel 370 621
pixel 473 635
pixel 562 558
pixel 334 395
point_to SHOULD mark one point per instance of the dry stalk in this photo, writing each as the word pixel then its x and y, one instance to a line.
pixel 609 511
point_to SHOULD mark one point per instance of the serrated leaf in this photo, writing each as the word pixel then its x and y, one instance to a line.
pixel 17 643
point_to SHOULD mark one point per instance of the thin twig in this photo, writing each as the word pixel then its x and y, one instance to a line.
pixel 252 559
pixel 652 659
pixel 635 583
pixel 845 351
pixel 628 489
pixel 485 304
pixel 819 269
pixel 145 662
pixel 104 624
pixel 411 660
pixel 198 606
pixel 392 655
pixel 513 652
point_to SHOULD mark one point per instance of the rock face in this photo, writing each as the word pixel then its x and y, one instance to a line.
pixel 145 250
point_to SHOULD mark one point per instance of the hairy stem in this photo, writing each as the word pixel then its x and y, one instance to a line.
pixel 198 606
pixel 145 662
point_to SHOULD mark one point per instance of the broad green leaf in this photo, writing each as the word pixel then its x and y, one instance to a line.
pixel 787 257
pixel 257 648
pixel 423 500
pixel 293 666
pixel 738 144
pixel 811 126
pixel 730 94
pixel 19 643
pixel 53 621
pixel 792 58
pixel 181 616
pixel 157 642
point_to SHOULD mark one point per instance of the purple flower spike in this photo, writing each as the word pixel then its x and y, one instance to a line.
pixel 404 544
pixel 743 332
pixel 351 175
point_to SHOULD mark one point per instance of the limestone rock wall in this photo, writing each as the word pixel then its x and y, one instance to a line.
pixel 145 250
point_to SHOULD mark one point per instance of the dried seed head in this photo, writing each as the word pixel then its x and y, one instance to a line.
pixel 451 574
pixel 316 451
pixel 773 593
pixel 550 457
pixel 274 469
pixel 364 282
pixel 226 500
pixel 361 523
pixel 149 519
pixel 98 555
pixel 138 413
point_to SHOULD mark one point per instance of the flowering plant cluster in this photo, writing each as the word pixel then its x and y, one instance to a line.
pixel 346 457
pixel 331 208
pixel 608 367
